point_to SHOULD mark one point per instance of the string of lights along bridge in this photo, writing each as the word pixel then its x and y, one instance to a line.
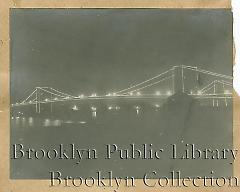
pixel 199 83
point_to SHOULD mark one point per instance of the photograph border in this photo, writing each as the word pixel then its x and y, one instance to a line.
pixel 6 184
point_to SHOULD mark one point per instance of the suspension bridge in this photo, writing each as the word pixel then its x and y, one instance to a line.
pixel 199 83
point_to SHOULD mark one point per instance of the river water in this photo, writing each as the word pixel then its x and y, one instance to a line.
pixel 179 120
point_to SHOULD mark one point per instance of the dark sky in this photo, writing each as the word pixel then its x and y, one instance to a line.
pixel 103 50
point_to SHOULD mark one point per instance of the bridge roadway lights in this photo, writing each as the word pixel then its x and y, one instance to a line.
pixel 178 84
pixel 169 93
pixel 81 96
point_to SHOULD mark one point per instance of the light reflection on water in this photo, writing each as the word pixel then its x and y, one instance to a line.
pixel 78 117
pixel 94 114
pixel 68 122
pixel 46 123
pixel 23 121
pixel 31 122
pixel 57 122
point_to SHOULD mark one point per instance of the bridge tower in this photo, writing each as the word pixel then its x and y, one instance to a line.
pixel 179 79
pixel 184 79
pixel 38 103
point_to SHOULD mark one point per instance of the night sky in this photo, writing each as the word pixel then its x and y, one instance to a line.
pixel 104 50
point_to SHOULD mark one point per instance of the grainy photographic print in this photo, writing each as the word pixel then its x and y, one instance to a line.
pixel 106 93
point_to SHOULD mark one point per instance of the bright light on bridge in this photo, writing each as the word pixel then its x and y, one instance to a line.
pixel 93 95
pixel 111 94
pixel 139 90
pixel 75 108
pixel 93 108
pixel 227 92
pixel 81 96
pixel 169 92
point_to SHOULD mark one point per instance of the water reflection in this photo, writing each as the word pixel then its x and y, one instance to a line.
pixel 46 123
pixel 17 121
pixel 94 114
pixel 23 121
pixel 54 123
pixel 79 117
pixel 57 122
pixel 82 122
pixel 30 121
pixel 137 108
pixel 68 122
